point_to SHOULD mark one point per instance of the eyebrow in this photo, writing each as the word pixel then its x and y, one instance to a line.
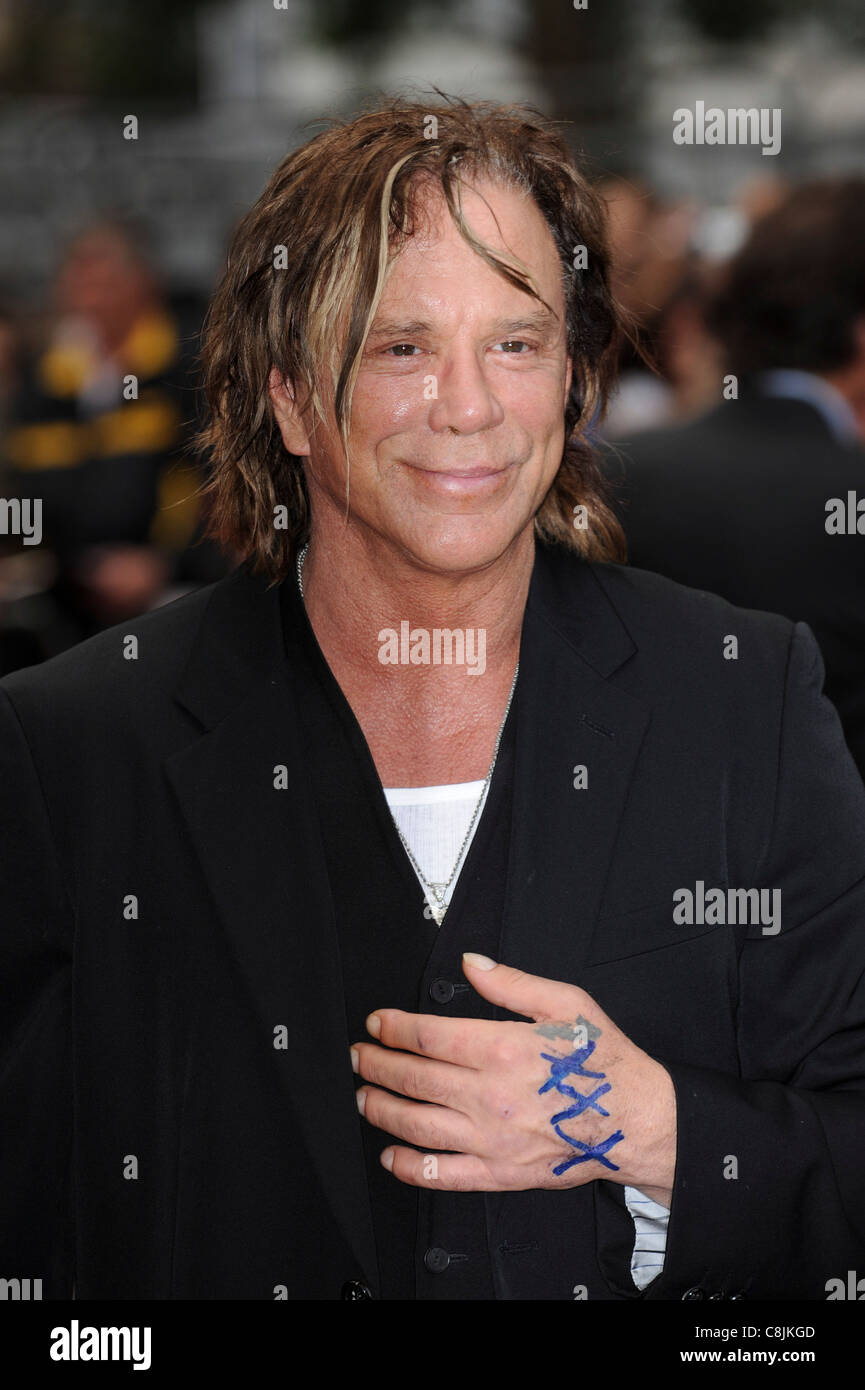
pixel 543 321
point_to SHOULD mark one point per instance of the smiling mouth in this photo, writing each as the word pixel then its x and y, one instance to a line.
pixel 471 483
pixel 480 470
pixel 469 472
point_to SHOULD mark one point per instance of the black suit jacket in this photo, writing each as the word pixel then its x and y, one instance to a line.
pixel 165 908
pixel 735 502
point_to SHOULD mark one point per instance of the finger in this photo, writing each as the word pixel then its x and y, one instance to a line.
pixel 428 1126
pixel 445 1172
pixel 464 1042
pixel 531 995
pixel 419 1078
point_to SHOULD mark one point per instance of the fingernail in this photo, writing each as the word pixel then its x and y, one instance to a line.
pixel 387 1159
pixel 373 1025
pixel 360 1097
pixel 355 1059
pixel 479 962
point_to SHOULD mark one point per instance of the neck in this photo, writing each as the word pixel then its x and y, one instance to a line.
pixel 356 585
pixel 425 721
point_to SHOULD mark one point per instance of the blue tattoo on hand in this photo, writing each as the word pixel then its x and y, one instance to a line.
pixel 583 1103
pixel 563 1066
pixel 560 1067
pixel 596 1151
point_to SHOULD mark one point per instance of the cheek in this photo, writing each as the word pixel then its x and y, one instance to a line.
pixel 383 405
pixel 536 402
pixel 543 422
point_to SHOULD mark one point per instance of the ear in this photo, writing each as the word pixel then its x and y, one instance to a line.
pixel 291 427
pixel 569 376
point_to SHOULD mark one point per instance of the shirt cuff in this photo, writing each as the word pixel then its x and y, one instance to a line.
pixel 650 1243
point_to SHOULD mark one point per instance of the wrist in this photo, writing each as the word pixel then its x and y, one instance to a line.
pixel 653 1168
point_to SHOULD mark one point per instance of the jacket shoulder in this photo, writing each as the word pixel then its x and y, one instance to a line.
pixel 682 633
pixel 652 601
pixel 128 663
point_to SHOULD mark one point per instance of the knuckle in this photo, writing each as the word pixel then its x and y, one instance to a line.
pixel 434 1088
pixel 462 1049
pixel 419 1131
pixel 412 1082
pixel 424 1039
pixel 461 1182
pixel 505 1052
pixel 427 1133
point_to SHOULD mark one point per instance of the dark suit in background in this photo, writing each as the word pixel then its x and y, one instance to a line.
pixel 735 503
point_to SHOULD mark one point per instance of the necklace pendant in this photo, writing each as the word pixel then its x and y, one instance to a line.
pixel 438 908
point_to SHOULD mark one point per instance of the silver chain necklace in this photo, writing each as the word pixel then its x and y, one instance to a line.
pixel 439 891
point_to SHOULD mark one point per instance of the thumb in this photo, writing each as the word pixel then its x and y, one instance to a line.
pixel 531 995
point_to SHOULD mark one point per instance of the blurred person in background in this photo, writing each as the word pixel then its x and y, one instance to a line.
pixel 98 432
pixel 23 569
pixel 9 358
pixel 684 352
pixel 656 277
pixel 738 501
pixel 667 257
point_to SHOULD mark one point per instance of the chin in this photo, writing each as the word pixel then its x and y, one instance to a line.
pixel 467 544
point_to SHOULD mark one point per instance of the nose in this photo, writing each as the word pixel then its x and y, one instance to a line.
pixel 465 401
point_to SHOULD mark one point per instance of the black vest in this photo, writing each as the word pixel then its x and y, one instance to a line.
pixel 430 1244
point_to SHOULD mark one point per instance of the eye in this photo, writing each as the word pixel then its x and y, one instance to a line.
pixel 403 349
pixel 512 343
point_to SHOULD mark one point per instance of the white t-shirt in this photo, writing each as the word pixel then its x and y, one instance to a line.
pixel 434 822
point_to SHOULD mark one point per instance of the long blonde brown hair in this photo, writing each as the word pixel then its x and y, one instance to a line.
pixel 306 269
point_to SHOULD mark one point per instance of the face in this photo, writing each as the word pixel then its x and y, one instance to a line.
pixel 457 422
pixel 101 281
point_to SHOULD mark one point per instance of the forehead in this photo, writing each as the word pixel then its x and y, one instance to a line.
pixel 99 248
pixel 437 262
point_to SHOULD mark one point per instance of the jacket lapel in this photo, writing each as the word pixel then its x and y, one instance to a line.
pixel 570 714
pixel 264 863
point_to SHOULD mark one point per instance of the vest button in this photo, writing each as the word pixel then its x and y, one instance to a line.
pixel 354 1289
pixel 436 1260
pixel 690 1295
pixel 441 991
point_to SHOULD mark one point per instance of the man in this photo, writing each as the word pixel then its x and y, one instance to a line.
pixel 219 903
pixel 99 435
pixel 753 499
